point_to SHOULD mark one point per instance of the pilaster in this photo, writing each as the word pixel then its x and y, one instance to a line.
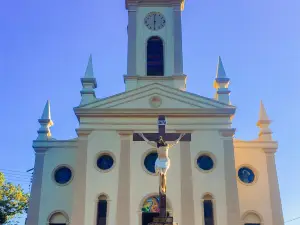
pixel 277 215
pixel 232 199
pixel 36 188
pixel 131 53
pixel 178 59
pixel 79 182
pixel 123 198
pixel 187 198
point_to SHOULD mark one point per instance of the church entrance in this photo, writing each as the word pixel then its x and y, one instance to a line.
pixel 150 209
pixel 148 217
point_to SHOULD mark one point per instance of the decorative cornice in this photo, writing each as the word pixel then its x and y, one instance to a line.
pixel 229 132
pixel 39 145
pixel 161 89
pixel 89 80
pixel 129 3
pixel 270 151
pixel 83 131
pixel 40 150
pixel 125 132
pixel 222 80
pixel 255 144
pixel 201 112
pixel 224 91
pixel 154 78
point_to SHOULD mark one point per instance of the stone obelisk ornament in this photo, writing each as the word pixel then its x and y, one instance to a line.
pixel 162 165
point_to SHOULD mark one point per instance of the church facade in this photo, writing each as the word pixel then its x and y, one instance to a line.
pixel 106 175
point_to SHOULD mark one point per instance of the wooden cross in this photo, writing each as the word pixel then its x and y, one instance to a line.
pixel 166 137
pixel 162 132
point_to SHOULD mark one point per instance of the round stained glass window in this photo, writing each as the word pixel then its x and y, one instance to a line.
pixel 205 162
pixel 105 162
pixel 62 175
pixel 149 162
pixel 246 175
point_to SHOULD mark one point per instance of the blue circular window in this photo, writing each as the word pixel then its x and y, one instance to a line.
pixel 246 175
pixel 149 162
pixel 205 162
pixel 105 162
pixel 62 175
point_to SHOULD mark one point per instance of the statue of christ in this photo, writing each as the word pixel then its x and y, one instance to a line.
pixel 162 162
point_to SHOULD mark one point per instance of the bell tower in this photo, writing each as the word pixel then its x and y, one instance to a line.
pixel 154 44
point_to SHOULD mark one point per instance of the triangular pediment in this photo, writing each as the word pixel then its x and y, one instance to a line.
pixel 154 96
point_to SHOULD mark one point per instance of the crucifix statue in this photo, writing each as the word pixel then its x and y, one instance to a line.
pixel 162 162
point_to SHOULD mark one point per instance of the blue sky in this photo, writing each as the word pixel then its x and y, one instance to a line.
pixel 45 45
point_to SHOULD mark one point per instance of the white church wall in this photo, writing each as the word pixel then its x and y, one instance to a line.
pixel 254 197
pixel 209 141
pixel 99 182
pixel 56 197
pixel 143 184
pixel 150 123
pixel 143 33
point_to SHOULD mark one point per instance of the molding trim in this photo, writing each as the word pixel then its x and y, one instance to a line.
pixel 268 145
pixel 155 78
pixel 130 3
pixel 245 214
pixel 201 112
pixel 40 146
pixel 125 132
pixel 40 150
pixel 57 212
pixel 227 133
pixel 83 131
pixel 270 151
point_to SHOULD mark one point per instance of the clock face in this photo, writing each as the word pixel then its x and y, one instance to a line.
pixel 155 21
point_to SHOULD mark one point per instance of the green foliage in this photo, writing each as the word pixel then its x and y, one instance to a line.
pixel 13 200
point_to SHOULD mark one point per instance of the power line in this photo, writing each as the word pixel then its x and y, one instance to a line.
pixel 17 171
pixel 297 218
pixel 17 176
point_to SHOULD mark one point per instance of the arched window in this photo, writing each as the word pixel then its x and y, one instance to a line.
pixel 155 56
pixel 252 218
pixel 58 218
pixel 102 210
pixel 208 210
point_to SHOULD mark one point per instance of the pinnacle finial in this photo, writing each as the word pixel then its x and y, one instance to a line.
pixel 89 72
pixel 220 69
pixel 89 83
pixel 46 113
pixel 45 122
pixel 221 84
pixel 262 113
pixel 263 123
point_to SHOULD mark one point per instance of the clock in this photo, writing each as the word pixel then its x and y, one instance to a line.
pixel 155 21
